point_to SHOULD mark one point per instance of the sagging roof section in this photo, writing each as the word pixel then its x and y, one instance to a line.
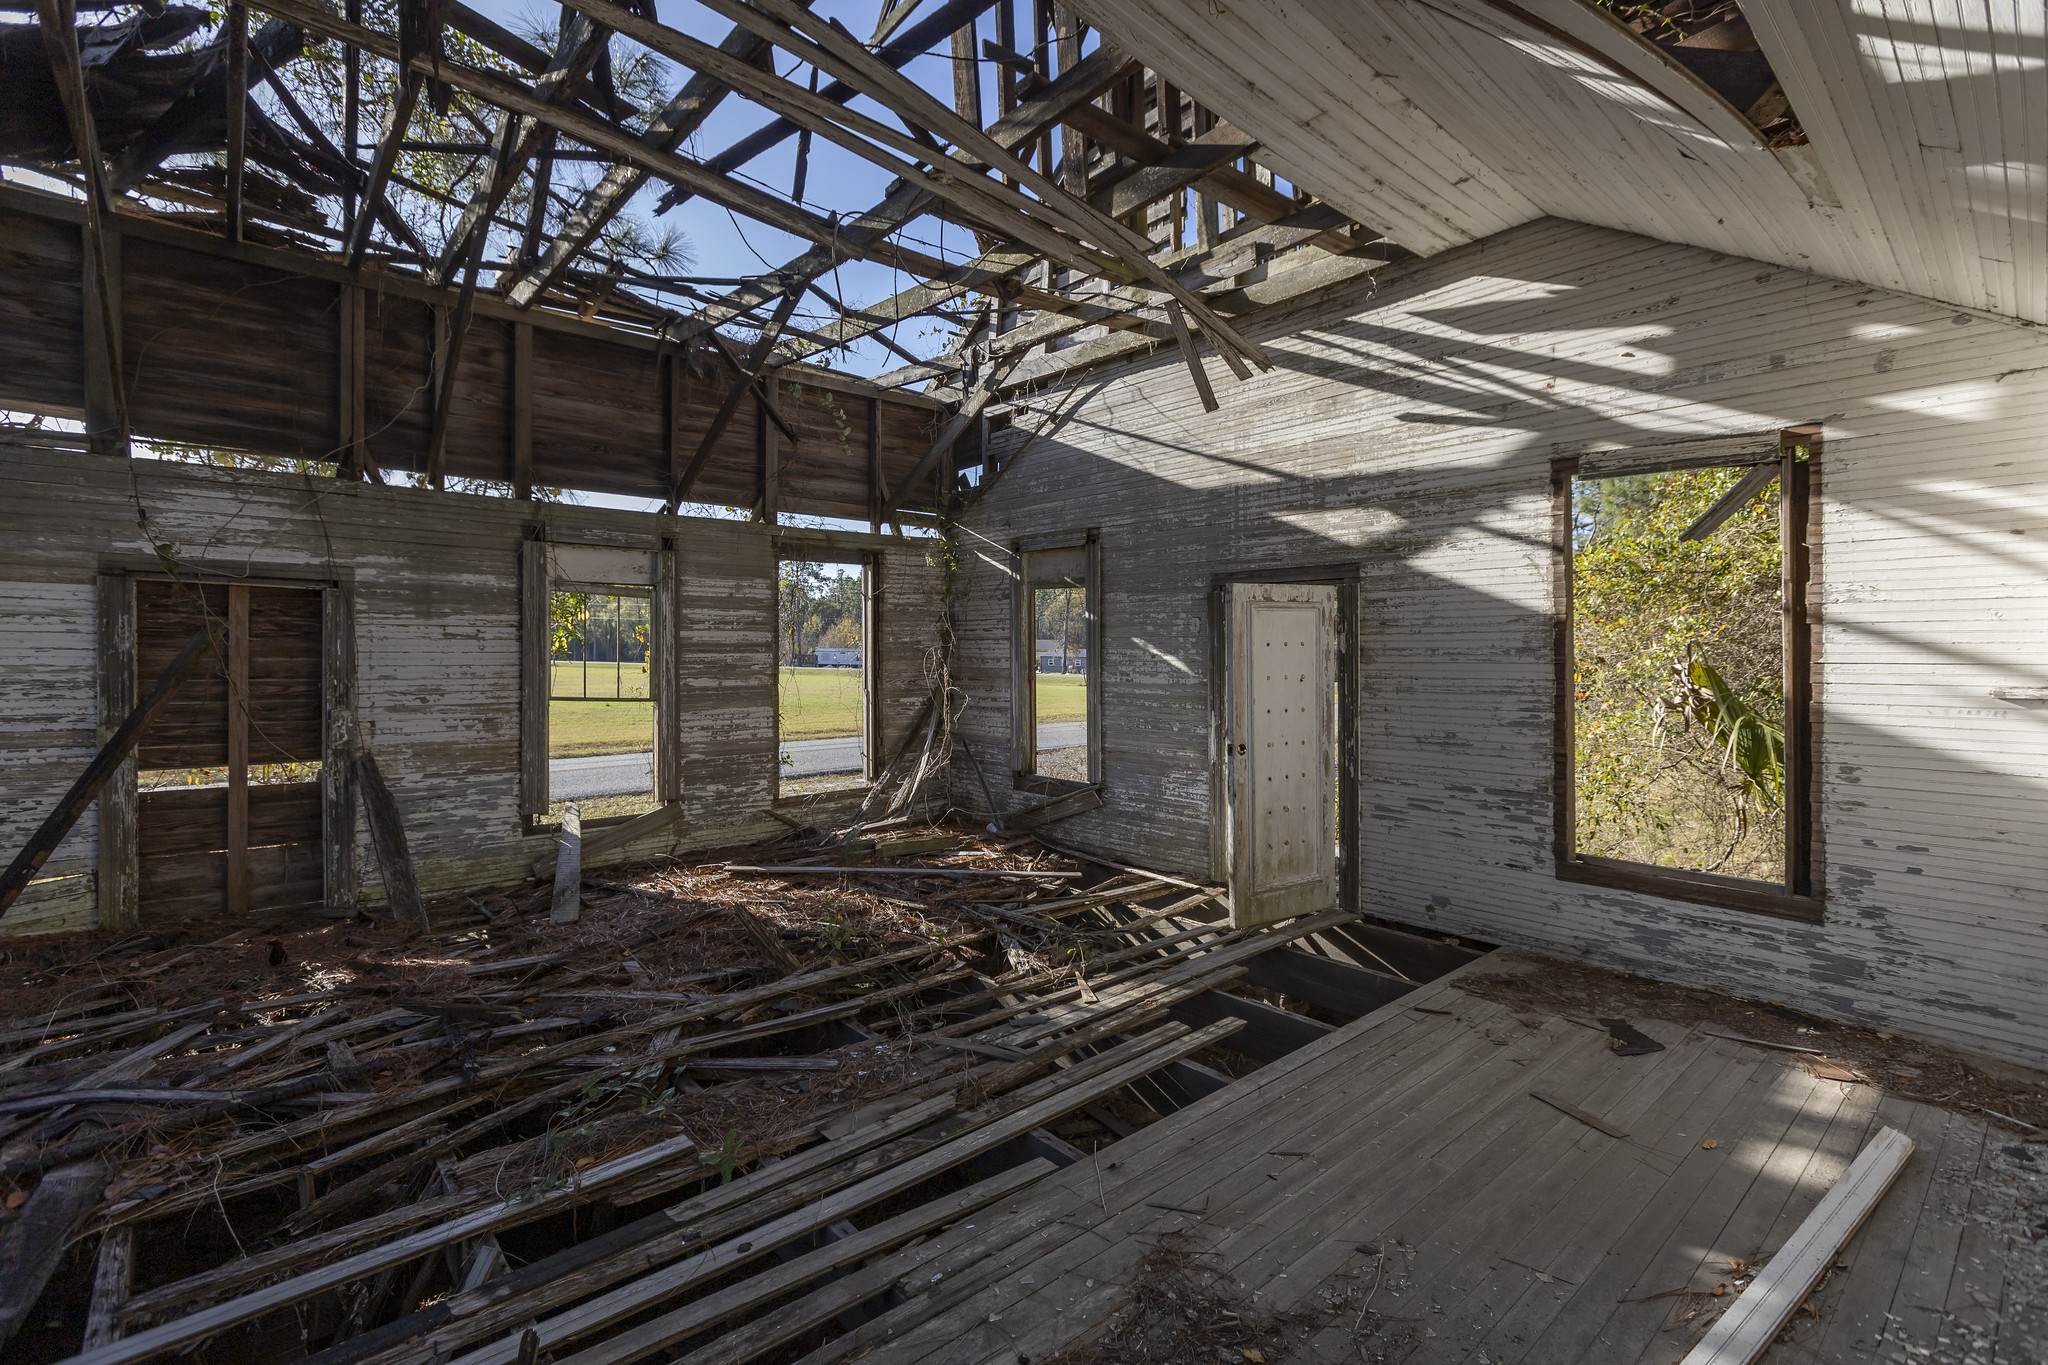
pixel 419 146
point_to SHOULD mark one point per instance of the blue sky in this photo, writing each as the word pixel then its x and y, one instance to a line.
pixel 724 245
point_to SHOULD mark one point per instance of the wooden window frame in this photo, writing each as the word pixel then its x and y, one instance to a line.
pixel 1802 896
pixel 1024 663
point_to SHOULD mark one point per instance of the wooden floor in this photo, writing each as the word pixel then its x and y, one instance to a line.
pixel 1506 1230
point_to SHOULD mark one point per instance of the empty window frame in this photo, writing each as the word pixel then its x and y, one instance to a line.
pixel 1056 690
pixel 1685 744
pixel 824 694
pixel 598 722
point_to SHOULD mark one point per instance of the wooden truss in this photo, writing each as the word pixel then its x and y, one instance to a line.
pixel 1112 212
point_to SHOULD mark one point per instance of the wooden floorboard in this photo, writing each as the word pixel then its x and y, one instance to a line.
pixel 1405 1152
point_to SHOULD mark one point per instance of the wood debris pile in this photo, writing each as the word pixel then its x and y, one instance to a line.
pixel 360 1143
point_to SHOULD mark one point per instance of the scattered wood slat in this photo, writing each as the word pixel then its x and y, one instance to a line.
pixel 1590 1120
pixel 1747 1328
pixel 904 872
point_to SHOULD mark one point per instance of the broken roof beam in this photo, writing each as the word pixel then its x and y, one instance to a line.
pixel 834 49
pixel 1017 128
pixel 970 408
pixel 517 98
pixel 519 52
pixel 680 117
pixel 922 36
pixel 582 43
pixel 1241 191
pixel 1038 222
pixel 1273 286
pixel 1128 307
pixel 374 203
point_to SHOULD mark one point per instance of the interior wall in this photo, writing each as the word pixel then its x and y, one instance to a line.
pixel 434 579
pixel 1408 429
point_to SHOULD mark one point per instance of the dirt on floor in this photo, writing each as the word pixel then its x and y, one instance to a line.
pixel 1914 1070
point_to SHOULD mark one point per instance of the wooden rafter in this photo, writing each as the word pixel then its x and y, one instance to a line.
pixel 835 49
pixel 515 97
pixel 742 385
pixel 1017 129
pixel 380 168
pixel 977 398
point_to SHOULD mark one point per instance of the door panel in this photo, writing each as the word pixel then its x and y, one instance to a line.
pixel 219 826
pixel 1282 750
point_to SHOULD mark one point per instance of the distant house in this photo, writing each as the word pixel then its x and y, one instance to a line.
pixel 1051 660
pixel 839 658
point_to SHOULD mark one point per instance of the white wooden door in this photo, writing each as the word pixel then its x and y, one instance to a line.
pixel 1282 745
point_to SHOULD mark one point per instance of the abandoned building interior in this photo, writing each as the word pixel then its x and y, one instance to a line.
pixel 1290 682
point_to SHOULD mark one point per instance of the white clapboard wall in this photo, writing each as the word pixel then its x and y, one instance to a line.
pixel 1408 429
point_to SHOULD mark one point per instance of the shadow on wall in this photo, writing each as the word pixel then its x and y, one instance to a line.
pixel 1414 438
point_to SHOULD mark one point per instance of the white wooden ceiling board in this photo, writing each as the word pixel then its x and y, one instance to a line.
pixel 1488 107
pixel 1928 67
pixel 1866 253
pixel 1630 143
pixel 1977 73
pixel 2023 117
pixel 1443 121
pixel 1345 130
pixel 2014 155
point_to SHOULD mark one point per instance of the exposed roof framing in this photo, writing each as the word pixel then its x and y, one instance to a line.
pixel 1102 197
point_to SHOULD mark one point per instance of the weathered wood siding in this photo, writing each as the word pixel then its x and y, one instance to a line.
pixel 240 348
pixel 1408 428
pixel 434 580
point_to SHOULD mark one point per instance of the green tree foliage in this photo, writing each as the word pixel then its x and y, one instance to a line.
pixel 1678 676
pixel 1062 625
pixel 816 607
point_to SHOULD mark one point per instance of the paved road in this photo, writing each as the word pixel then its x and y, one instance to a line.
pixel 584 779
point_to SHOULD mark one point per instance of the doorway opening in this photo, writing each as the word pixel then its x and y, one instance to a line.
pixel 1284 780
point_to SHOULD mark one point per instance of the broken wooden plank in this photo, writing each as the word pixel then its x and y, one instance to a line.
pixel 742 385
pixel 567 905
pixel 112 1277
pixel 645 1338
pixel 104 765
pixel 1047 812
pixel 387 837
pixel 1747 1329
pixel 610 837
pixel 900 871
pixel 1590 1120
pixel 1186 342
pixel 32 1246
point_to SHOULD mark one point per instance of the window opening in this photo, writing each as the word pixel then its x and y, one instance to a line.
pixel 1679 662
pixel 1059 688
pixel 1057 671
pixel 600 701
pixel 821 675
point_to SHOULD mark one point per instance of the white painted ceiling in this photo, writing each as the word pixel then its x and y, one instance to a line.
pixel 1442 121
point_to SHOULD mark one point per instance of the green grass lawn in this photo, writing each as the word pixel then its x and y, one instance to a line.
pixel 817 703
pixel 580 728
pixel 820 703
pixel 599 680
pixel 1059 697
